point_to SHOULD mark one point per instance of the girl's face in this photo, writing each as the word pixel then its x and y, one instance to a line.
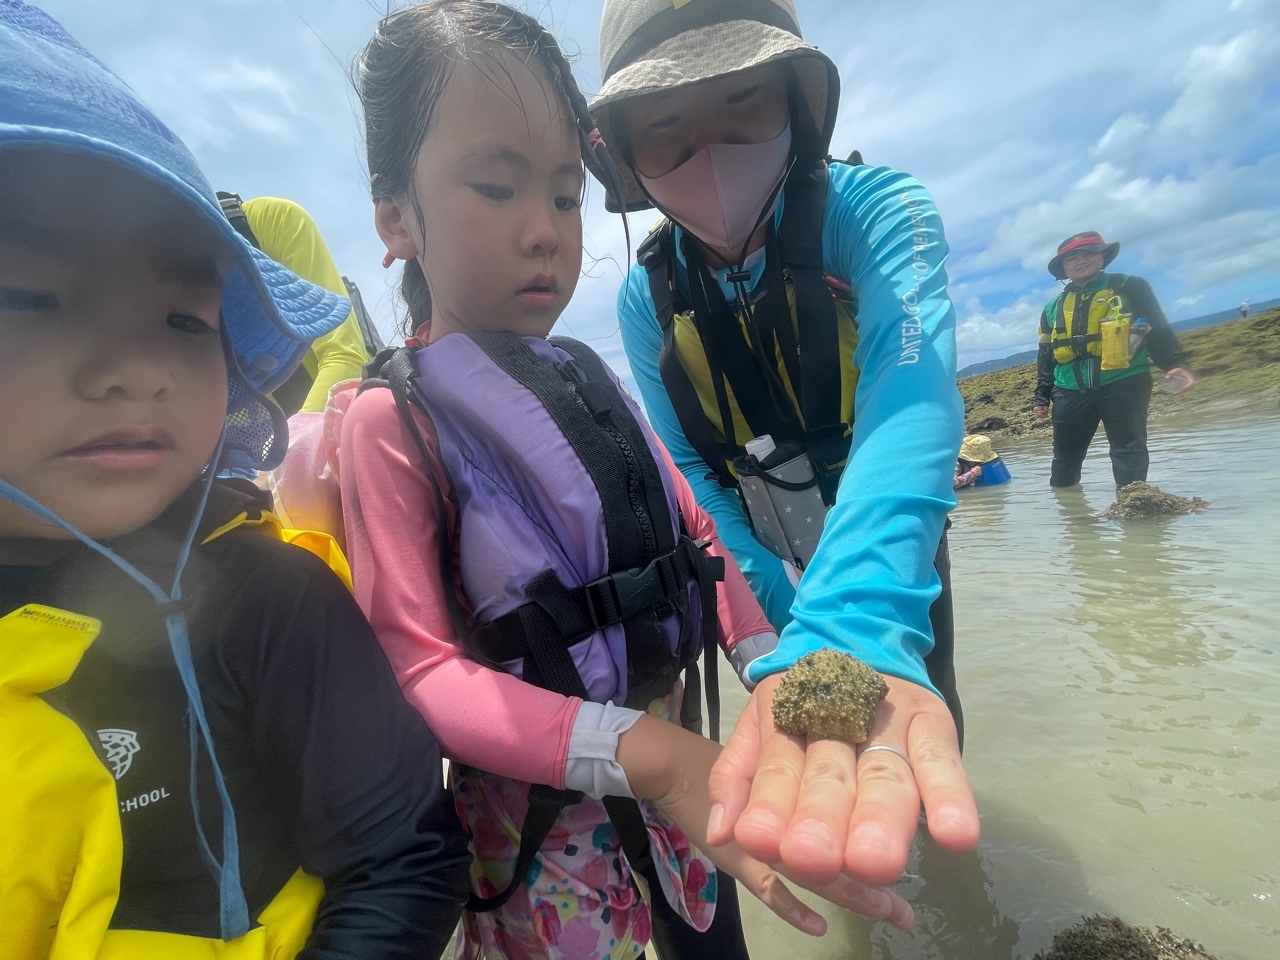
pixel 663 130
pixel 113 385
pixel 499 183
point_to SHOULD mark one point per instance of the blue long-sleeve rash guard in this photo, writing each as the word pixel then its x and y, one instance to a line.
pixel 872 580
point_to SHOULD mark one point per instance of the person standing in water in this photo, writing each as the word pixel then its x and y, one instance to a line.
pixel 720 115
pixel 1084 378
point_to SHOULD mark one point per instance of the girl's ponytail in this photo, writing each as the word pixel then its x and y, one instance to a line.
pixel 416 295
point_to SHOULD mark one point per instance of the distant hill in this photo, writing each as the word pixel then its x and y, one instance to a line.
pixel 1179 326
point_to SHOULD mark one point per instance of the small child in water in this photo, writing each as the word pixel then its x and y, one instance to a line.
pixel 978 465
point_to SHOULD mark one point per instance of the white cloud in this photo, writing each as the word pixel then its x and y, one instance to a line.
pixel 1167 219
pixel 1188 301
pixel 242 78
pixel 1127 132
pixel 1023 133
pixel 983 333
pixel 1222 89
pixel 260 121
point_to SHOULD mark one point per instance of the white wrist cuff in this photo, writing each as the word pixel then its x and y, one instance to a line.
pixel 592 765
pixel 747 651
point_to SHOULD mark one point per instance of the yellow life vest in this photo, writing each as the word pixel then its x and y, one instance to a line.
pixel 61 847
pixel 718 420
pixel 1106 335
pixel 693 357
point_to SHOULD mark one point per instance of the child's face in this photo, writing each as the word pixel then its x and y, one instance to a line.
pixel 664 130
pixel 113 385
pixel 499 181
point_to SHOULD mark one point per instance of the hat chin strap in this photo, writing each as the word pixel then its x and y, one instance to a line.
pixel 234 909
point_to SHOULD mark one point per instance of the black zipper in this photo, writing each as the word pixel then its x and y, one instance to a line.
pixel 576 378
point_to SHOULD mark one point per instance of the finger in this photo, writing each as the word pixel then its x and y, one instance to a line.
pixel 884 818
pixel 887 808
pixel 779 770
pixel 812 849
pixel 768 888
pixel 875 903
pixel 943 784
pixel 730 781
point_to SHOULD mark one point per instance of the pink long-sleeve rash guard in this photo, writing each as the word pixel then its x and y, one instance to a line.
pixel 481 717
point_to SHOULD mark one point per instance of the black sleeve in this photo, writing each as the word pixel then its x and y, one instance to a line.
pixel 1044 371
pixel 1162 342
pixel 374 819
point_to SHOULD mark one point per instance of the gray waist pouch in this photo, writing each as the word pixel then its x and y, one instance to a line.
pixel 783 502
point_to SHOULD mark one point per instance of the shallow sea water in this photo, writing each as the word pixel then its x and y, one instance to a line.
pixel 1121 686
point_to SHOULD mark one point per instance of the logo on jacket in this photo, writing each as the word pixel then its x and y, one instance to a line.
pixel 120 745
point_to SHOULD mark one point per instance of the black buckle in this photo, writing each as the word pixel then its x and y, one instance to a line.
pixel 618 596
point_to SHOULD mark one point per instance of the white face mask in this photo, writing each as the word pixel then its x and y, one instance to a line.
pixel 719 193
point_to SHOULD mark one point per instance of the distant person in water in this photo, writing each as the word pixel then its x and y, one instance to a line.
pixel 978 465
pixel 1098 338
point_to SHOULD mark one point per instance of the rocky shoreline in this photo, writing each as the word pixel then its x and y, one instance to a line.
pixel 1238 364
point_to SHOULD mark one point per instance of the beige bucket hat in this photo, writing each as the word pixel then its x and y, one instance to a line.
pixel 977 449
pixel 649 46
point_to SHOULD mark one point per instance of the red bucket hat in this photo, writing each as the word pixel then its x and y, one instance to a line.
pixel 1088 242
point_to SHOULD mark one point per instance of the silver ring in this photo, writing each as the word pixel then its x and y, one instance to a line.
pixel 884 746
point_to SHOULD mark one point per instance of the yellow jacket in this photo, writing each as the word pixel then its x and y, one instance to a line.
pixel 288 235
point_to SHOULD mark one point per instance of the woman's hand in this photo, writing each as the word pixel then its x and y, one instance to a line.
pixel 816 810
pixel 671 767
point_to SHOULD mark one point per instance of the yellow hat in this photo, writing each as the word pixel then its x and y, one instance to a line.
pixel 977 449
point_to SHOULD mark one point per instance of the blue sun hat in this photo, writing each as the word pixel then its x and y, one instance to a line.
pixel 55 95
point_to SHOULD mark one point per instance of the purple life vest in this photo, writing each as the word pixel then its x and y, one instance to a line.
pixel 570 533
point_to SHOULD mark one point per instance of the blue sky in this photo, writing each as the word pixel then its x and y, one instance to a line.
pixel 1156 122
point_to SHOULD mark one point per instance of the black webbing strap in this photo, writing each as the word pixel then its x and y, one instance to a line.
pixel 545 804
pixel 233 209
pixel 711 572
pixel 741 366
pixel 577 613
pixel 819 387
pixel 777 311
pixel 656 256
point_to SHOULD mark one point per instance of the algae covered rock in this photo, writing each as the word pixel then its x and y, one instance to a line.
pixel 1140 499
pixel 1108 938
pixel 828 695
